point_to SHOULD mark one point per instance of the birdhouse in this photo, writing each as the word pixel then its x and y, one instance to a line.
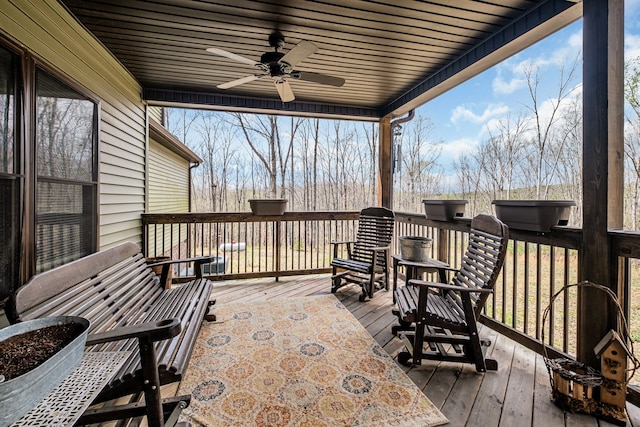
pixel 614 355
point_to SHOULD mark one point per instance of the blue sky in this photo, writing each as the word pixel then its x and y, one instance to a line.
pixel 461 122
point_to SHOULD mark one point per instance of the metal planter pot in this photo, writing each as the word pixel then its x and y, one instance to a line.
pixel 19 395
pixel 415 248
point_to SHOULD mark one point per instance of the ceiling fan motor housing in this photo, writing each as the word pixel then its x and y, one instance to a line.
pixel 276 40
pixel 271 59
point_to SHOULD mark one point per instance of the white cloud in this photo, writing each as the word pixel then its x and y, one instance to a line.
pixel 503 87
pixel 511 72
pixel 464 114
pixel 631 46
pixel 451 150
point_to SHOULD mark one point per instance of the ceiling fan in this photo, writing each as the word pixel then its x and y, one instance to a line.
pixel 280 67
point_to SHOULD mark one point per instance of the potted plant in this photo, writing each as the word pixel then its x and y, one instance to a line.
pixel 533 215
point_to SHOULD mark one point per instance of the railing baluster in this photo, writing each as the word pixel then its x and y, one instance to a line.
pixel 538 292
pixel 566 314
pixel 525 326
pixel 552 312
pixel 514 290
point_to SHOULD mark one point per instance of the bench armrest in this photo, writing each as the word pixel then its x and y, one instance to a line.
pixel 448 287
pixel 197 265
pixel 153 331
pixel 146 334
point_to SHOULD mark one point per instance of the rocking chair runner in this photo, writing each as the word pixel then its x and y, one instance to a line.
pixel 444 315
pixel 367 262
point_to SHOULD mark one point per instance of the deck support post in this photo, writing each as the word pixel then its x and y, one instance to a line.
pixel 385 164
pixel 603 175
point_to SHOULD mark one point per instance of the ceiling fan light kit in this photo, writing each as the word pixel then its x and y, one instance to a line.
pixel 280 67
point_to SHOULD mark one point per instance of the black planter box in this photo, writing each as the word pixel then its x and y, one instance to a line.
pixel 268 206
pixel 444 210
pixel 533 215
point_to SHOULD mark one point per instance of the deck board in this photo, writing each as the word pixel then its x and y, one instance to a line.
pixel 518 394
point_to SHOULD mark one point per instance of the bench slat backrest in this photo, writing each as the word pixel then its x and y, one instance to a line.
pixel 375 229
pixel 97 287
pixel 482 261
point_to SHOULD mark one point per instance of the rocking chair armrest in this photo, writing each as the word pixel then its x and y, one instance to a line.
pixel 448 287
pixel 337 244
pixel 343 242
pixel 376 248
pixel 153 331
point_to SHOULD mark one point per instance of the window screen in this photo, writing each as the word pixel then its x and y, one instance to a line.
pixel 66 183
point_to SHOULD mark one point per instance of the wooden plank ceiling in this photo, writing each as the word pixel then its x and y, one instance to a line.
pixel 393 54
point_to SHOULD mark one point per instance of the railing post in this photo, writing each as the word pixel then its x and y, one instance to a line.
pixel 602 168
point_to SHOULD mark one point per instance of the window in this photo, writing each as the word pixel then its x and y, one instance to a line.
pixel 66 192
pixel 48 171
pixel 10 182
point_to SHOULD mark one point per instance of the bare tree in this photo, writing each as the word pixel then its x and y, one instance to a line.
pixel 506 149
pixel 632 135
pixel 180 120
pixel 469 174
pixel 420 174
pixel 263 136
pixel 543 157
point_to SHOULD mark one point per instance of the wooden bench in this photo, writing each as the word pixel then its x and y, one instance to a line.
pixel 129 309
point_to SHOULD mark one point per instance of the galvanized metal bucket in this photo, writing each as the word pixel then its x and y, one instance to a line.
pixel 415 248
pixel 19 395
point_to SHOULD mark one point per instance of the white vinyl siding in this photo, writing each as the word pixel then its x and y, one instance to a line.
pixel 168 180
pixel 57 41
pixel 168 193
pixel 156 114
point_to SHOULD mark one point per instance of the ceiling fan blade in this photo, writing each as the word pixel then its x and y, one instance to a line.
pixel 239 81
pixel 284 90
pixel 318 78
pixel 299 52
pixel 231 56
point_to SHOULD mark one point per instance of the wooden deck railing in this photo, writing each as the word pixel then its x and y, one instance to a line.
pixel 250 245
pixel 537 265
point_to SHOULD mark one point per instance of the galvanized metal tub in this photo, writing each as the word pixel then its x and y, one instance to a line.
pixel 415 248
pixel 19 395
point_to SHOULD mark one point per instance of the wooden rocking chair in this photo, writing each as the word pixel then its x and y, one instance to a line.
pixel 444 315
pixel 367 262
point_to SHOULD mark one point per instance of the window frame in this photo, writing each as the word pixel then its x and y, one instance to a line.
pixel 26 154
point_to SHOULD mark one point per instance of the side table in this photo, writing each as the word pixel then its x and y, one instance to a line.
pixel 415 268
pixel 67 402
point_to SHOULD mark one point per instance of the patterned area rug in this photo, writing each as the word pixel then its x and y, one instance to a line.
pixel 297 362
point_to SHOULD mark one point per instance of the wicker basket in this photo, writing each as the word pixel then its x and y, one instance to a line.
pixel 576 386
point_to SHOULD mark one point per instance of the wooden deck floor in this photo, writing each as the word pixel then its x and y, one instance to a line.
pixel 518 394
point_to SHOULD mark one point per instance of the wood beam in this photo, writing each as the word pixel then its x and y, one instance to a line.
pixel 385 165
pixel 603 65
